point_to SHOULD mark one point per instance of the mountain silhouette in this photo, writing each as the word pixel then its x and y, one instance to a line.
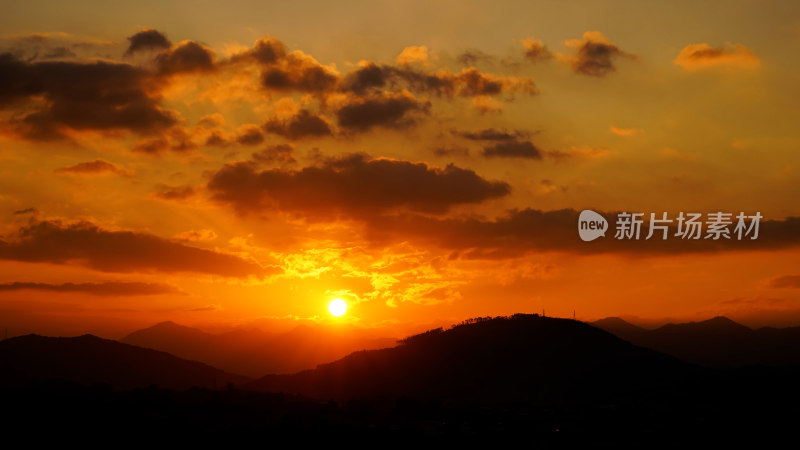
pixel 254 352
pixel 618 327
pixel 517 358
pixel 716 342
pixel 89 359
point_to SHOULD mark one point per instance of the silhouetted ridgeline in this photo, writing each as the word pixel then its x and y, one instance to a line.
pixel 255 352
pixel 550 382
pixel 88 360
pixel 717 342
pixel 518 358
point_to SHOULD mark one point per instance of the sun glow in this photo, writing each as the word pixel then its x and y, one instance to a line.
pixel 337 307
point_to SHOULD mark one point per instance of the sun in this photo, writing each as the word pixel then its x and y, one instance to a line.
pixel 337 307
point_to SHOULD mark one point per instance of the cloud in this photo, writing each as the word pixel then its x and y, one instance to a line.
pixel 492 134
pixel 21 212
pixel 301 125
pixel 187 57
pixel 473 57
pixel 151 146
pixel 147 40
pixel 584 151
pixel 98 95
pixel 625 132
pixel 535 50
pixel 786 281
pixel 280 153
pixel 470 82
pixel 451 151
pixel 87 244
pixel 175 192
pixel 102 289
pixel 512 149
pixel 519 232
pixel 96 167
pixel 176 139
pixel 355 185
pixel 249 134
pixel 594 55
pixel 196 235
pixel 283 71
pixel 388 111
pixel 485 104
pixel 299 72
pixel 729 56
pixel 265 51
pixel 58 45
pixel 412 54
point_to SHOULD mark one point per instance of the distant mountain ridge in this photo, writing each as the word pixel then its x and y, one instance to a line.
pixel 89 359
pixel 256 352
pixel 716 342
pixel 519 358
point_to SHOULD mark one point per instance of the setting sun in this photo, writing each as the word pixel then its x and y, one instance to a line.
pixel 337 307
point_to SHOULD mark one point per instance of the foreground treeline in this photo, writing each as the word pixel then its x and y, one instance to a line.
pixel 748 404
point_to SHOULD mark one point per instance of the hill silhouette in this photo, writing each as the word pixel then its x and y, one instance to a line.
pixel 716 342
pixel 254 352
pixel 551 382
pixel 88 360
pixel 519 358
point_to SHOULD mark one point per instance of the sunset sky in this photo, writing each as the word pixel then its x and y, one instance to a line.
pixel 243 163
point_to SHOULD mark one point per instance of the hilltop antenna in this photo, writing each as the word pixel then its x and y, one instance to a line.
pixel 543 313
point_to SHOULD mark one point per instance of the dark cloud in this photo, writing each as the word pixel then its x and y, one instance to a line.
pixel 175 139
pixel 86 244
pixel 265 51
pixel 102 289
pixel 451 151
pixel 96 167
pixel 174 192
pixel 284 71
pixel 96 95
pixel 470 82
pixel 215 139
pixel 151 146
pixel 187 57
pixel 249 135
pixel 594 55
pixel 147 39
pixel 512 149
pixel 387 111
pixel 43 46
pixel 491 134
pixel 354 185
pixel 786 281
pixel 529 230
pixel 474 57
pixel 21 212
pixel 299 72
pixel 301 125
pixel 369 77
pixel 281 153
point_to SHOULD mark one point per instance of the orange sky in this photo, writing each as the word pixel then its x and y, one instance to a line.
pixel 225 165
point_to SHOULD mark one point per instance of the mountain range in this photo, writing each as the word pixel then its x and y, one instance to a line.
pixel 254 352
pixel 89 360
pixel 716 342
pixel 519 358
